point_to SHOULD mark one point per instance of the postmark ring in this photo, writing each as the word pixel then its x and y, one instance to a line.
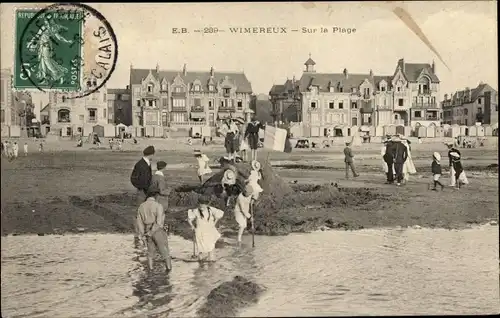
pixel 48 40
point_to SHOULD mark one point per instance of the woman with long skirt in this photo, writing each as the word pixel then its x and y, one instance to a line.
pixel 462 176
pixel 409 166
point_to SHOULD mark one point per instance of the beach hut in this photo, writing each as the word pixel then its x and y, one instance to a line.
pixel 464 130
pixel 431 130
pixel 439 132
pixel 372 131
pixel 400 130
pixel 379 131
pixel 389 130
pixel 488 131
pixel 98 130
pixel 472 131
pixel 446 130
pixel 421 131
pixel 354 131
pixel 480 131
pixel 408 131
pixel 454 131
pixel 120 130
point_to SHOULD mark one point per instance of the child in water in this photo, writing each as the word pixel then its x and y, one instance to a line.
pixel 242 210
pixel 436 170
pixel 203 221
pixel 203 167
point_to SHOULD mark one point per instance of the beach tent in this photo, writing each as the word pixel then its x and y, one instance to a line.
pixel 379 131
pixel 446 130
pixel 488 131
pixel 400 130
pixel 371 131
pixel 439 132
pixel 464 130
pixel 480 131
pixel 408 131
pixel 98 130
pixel 454 131
pixel 120 129
pixel 473 131
pixel 431 131
pixel 421 132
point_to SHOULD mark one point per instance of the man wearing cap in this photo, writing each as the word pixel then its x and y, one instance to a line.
pixel 349 161
pixel 149 224
pixel 158 181
pixel 142 174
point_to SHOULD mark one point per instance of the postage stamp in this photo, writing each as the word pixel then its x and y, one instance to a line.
pixel 63 47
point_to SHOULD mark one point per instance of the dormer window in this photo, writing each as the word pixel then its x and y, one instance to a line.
pixel 178 89
pixel 211 88
pixel 341 89
pixel 227 91
pixel 196 88
pixel 383 87
pixel 150 88
pixel 354 89
pixel 331 89
pixel 164 87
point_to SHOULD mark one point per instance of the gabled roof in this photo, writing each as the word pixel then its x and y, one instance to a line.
pixel 310 62
pixel 288 86
pixel 475 93
pixel 412 71
pixel 239 79
pixel 277 89
pixel 386 78
pixel 323 80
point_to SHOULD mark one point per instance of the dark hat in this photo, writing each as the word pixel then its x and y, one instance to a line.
pixel 204 199
pixel 150 150
pixel 160 165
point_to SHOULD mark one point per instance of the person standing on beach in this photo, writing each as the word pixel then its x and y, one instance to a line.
pixel 25 149
pixel 203 167
pixel 149 224
pixel 242 209
pixel 400 154
pixel 15 150
pixel 349 161
pixel 252 135
pixel 203 221
pixel 159 181
pixel 142 174
pixel 463 177
pixel 436 170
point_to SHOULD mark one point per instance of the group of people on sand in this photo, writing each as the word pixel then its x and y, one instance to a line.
pixel 10 150
pixel 397 161
pixel 241 137
pixel 152 199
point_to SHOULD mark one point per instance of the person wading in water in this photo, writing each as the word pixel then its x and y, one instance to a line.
pixel 142 175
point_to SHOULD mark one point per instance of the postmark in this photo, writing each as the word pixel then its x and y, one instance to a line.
pixel 66 47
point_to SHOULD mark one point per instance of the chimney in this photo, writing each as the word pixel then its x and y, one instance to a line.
pixel 371 73
pixel 127 87
pixel 401 63
pixel 157 68
pixel 184 70
pixel 212 71
pixel 433 67
pixel 346 74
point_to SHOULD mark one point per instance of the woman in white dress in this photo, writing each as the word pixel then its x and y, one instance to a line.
pixel 408 167
pixel 203 167
pixel 253 179
pixel 203 221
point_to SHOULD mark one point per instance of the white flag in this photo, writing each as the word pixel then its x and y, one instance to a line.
pixel 274 138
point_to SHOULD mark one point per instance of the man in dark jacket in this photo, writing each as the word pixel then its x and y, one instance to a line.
pixel 349 161
pixel 389 160
pixel 142 174
pixel 400 154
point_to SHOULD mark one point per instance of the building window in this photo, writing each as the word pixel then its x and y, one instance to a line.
pixel 396 117
pixel 210 104
pixel 384 102
pixel 222 103
pixel 479 110
pixel 197 102
pixel 399 88
pixel 164 102
pixel 164 87
pixel 92 114
pixel 331 89
pixel 151 103
pixel 138 102
pixel 227 91
pixel 331 105
pixel 2 115
pixel 64 99
pixel 466 111
pixel 354 89
pixel 354 105
pixel 433 100
pixel 240 104
pixel 104 113
pixel 178 89
pixel 366 92
pixel 341 89
pixel 104 97
pixel 63 116
pixel 179 103
pixel 119 97
pixel 197 88
pixel 164 121
pixel 150 88
pixel 211 88
pixel 81 117
pixel 418 114
pixel 466 122
pixel 479 100
pixel 341 105
pixel 313 105
pixel 401 102
pixel 382 88
pixel 137 90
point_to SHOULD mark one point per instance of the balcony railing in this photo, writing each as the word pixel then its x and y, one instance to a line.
pixel 92 120
pixel 227 109
pixel 424 92
pixel 199 109
pixel 226 94
pixel 424 105
pixel 179 109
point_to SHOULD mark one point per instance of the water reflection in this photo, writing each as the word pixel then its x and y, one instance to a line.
pixel 382 272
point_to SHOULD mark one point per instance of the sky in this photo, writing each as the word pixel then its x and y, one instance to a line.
pixel 464 33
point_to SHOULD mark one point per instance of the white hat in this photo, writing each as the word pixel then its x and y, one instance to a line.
pixel 229 176
pixel 437 156
pixel 256 165
pixel 455 154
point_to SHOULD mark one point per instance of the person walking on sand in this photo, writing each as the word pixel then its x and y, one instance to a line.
pixel 25 149
pixel 149 224
pixel 457 168
pixel 349 161
pixel 15 150
pixel 409 166
pixel 242 209
pixel 452 172
pixel 203 167
pixel 436 170
pixel 400 154
pixel 159 181
pixel 387 161
pixel 203 221
pixel 231 141
pixel 252 135
pixel 142 174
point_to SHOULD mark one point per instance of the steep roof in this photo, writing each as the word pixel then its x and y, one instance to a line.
pixel 324 80
pixel 240 80
pixel 118 91
pixel 413 70
pixel 475 93
pixel 277 89
pixel 310 62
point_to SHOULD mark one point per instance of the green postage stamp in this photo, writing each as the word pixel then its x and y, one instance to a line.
pixel 49 49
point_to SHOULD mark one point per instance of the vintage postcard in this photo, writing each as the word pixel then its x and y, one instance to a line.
pixel 245 159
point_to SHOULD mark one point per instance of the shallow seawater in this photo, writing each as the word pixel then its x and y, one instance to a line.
pixel 368 272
